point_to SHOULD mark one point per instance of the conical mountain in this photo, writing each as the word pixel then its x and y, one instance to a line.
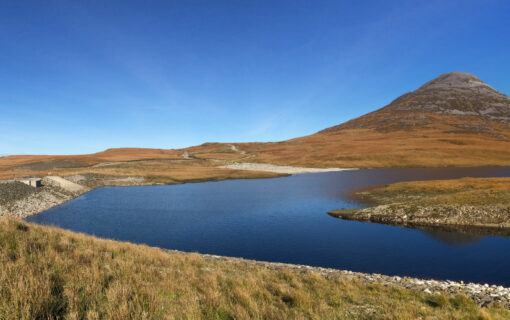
pixel 458 99
pixel 453 120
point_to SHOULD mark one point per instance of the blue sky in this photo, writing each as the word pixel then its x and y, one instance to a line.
pixel 82 76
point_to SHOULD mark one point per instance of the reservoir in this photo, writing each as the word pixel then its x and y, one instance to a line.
pixel 285 220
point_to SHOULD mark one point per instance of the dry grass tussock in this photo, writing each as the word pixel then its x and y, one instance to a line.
pixel 49 273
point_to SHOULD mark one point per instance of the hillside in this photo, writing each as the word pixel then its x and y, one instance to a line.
pixel 453 120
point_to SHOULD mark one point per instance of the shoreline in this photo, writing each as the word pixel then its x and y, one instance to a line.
pixel 434 217
pixel 465 203
pixel 265 167
pixel 49 196
pixel 52 195
pixel 467 229
pixel 481 294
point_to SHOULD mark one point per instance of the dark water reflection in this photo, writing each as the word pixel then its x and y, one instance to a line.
pixel 452 237
pixel 285 220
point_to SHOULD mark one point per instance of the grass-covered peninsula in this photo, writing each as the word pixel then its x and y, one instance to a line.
pixel 468 202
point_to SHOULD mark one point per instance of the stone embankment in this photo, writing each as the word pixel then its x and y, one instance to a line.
pixel 14 191
pixel 21 201
pixel 65 184
pixel 487 216
pixel 482 294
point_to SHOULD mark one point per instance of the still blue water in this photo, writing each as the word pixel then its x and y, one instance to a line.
pixel 285 220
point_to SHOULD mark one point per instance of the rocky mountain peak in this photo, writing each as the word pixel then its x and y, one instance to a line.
pixel 455 80
pixel 459 94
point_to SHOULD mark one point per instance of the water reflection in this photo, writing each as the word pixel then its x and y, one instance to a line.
pixel 453 238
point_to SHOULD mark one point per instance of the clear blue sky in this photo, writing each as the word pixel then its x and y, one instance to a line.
pixel 83 76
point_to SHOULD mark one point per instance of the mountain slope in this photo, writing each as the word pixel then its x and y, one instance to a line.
pixel 455 119
pixel 457 99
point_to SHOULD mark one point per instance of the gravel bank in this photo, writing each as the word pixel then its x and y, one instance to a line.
pixel 278 169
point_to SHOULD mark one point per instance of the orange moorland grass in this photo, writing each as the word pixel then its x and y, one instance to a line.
pixel 110 155
pixel 158 171
pixel 172 171
pixel 48 273
pixel 465 191
pixel 420 146
pixel 364 148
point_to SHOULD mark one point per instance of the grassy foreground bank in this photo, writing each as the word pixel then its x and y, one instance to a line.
pixel 49 273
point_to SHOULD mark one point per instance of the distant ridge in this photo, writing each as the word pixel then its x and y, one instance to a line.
pixel 455 119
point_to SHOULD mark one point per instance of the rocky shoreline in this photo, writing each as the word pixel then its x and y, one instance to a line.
pixel 492 219
pixel 482 294
pixel 36 200
pixel 21 201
